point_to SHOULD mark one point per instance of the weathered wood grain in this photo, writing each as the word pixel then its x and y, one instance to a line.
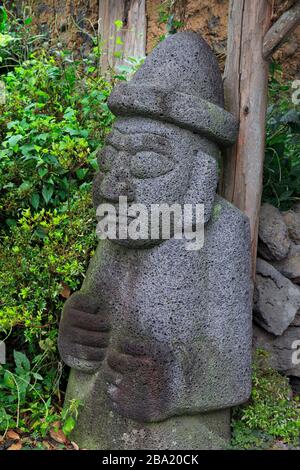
pixel 132 34
pixel 245 82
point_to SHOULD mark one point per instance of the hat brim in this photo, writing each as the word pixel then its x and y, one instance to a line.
pixel 187 111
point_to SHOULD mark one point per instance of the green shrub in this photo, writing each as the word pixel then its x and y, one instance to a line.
pixel 54 118
pixel 26 397
pixel 43 259
pixel 50 127
pixel 272 412
pixel 282 163
pixel 42 254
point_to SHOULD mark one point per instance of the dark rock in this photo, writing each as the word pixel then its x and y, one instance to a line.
pixel 292 221
pixel 284 350
pixel 277 299
pixel 274 242
pixel 296 207
pixel 290 266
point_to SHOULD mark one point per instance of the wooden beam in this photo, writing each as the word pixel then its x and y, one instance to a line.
pixel 279 32
pixel 245 82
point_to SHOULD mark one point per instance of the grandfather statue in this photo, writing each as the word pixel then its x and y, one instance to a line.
pixel 159 336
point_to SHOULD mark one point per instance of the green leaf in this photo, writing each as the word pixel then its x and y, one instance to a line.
pixel 14 139
pixel 35 200
pixel 11 222
pixel 81 172
pixel 47 192
pixel 94 163
pixel 37 376
pixel 42 172
pixel 119 41
pixel 25 186
pixel 69 425
pixel 72 131
pixel 22 362
pixel 3 18
pixel 40 233
pixel 8 380
pixel 4 418
pixel 26 149
pixel 69 114
pixel 118 54
pixel 118 24
pixel 5 39
pixel 23 381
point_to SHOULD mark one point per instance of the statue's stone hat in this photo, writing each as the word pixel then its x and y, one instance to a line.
pixel 180 83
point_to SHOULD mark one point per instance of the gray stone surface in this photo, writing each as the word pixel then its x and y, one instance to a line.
pixel 292 221
pixel 281 348
pixel 171 87
pixel 290 266
pixel 159 337
pixel 108 429
pixel 296 208
pixel 296 321
pixel 276 299
pixel 274 242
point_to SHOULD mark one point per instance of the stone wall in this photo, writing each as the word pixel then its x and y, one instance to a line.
pixel 277 290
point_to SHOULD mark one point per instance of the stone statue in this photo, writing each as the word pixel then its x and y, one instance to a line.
pixel 159 337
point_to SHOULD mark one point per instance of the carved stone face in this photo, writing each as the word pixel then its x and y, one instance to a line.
pixel 152 162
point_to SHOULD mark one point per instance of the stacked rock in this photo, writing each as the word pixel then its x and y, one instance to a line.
pixel 277 290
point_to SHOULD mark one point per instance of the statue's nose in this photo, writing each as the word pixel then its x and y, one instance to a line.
pixel 118 182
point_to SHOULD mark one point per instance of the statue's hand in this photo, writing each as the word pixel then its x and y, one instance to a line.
pixel 137 382
pixel 83 333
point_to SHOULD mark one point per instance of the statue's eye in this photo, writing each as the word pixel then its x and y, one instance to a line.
pixel 105 157
pixel 150 165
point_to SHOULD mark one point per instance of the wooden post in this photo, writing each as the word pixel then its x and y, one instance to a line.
pixel 131 37
pixel 246 81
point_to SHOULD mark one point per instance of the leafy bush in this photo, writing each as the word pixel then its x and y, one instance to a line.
pixel 43 259
pixel 50 127
pixel 45 252
pixel 54 118
pixel 272 412
pixel 26 397
pixel 282 163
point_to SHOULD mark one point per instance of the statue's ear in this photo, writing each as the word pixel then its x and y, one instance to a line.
pixel 203 183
